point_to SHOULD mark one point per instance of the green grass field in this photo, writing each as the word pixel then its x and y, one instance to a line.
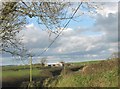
pixel 86 63
pixel 19 73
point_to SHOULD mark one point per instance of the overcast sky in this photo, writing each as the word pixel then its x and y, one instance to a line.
pixel 93 37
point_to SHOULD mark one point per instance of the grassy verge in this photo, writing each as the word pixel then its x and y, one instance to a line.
pixel 105 79
pixel 94 74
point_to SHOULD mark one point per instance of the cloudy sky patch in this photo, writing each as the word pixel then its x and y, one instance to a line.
pixel 101 37
pixel 96 41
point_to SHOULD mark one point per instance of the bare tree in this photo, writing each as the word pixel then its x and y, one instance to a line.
pixel 10 23
pixel 13 18
pixel 43 61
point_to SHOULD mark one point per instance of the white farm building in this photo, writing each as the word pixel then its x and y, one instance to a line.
pixel 58 64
